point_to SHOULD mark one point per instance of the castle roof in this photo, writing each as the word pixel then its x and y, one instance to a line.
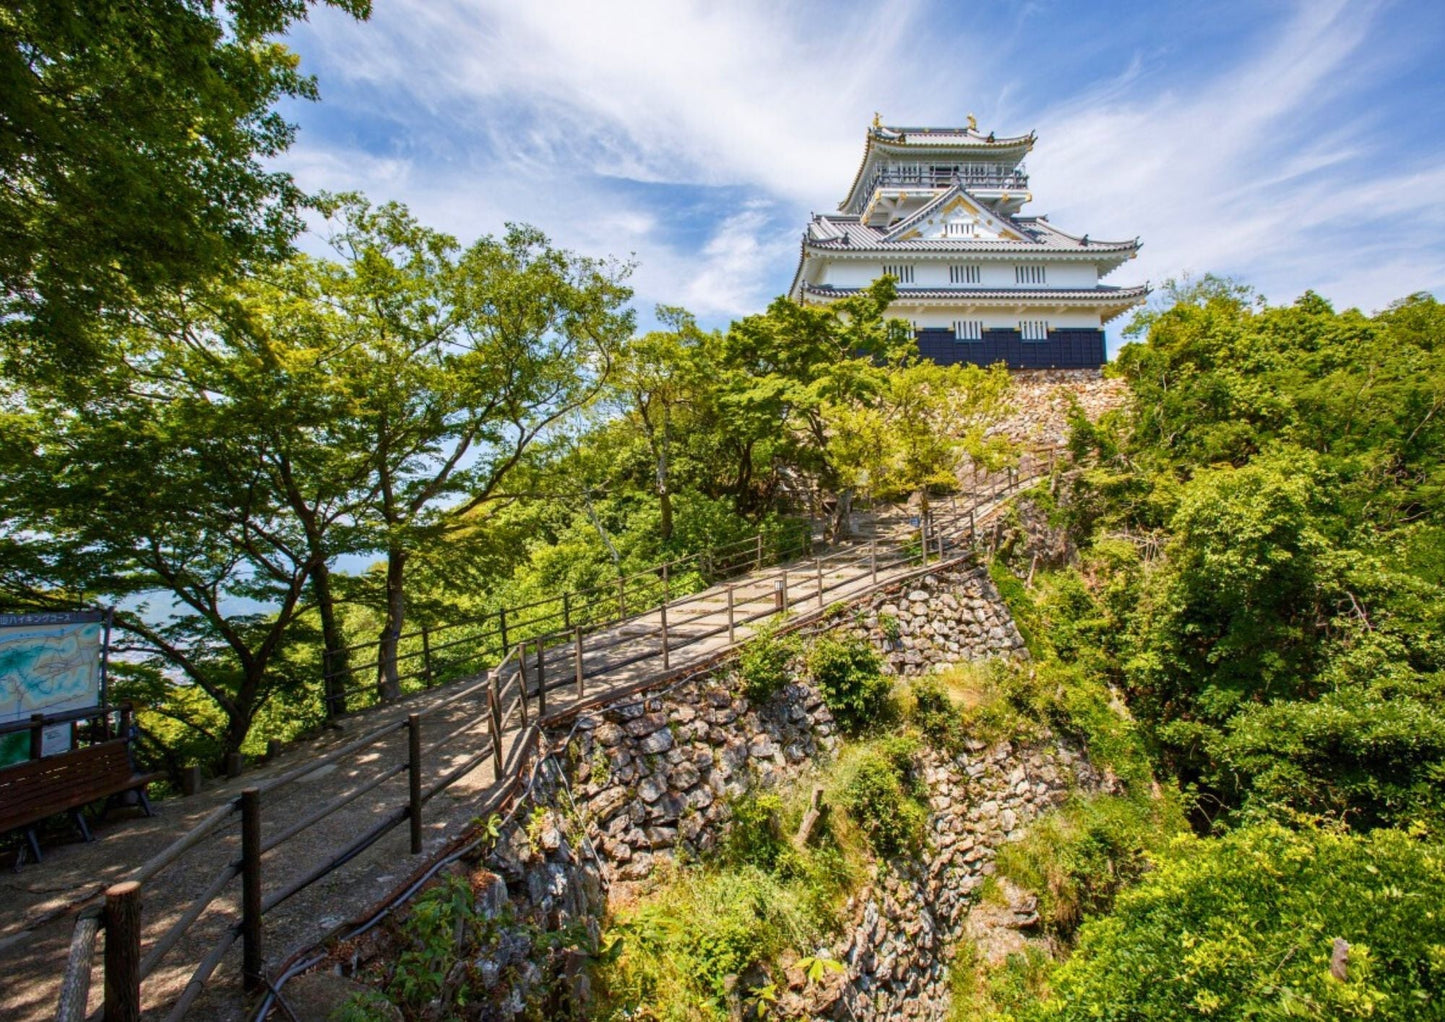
pixel 967 142
pixel 1109 301
pixel 836 232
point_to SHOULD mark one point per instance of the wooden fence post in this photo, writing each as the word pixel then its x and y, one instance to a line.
pixel 759 566
pixel 426 674
pixel 666 659
pixel 732 632
pixel 251 962
pixel 122 952
pixel 494 700
pixel 522 679
pixel 783 593
pixel 873 558
pixel 819 567
pixel 541 680
pixel 413 780
pixel 577 658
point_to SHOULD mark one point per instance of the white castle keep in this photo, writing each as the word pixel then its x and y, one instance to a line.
pixel 938 210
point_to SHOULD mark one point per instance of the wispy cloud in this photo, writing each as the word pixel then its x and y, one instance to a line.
pixel 698 136
pixel 1250 174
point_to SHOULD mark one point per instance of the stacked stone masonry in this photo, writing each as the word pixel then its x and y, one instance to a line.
pixel 650 779
pixel 939 620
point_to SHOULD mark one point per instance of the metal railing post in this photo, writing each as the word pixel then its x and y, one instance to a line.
pixel 873 558
pixel 819 567
pixel 502 623
pixel 577 659
pixel 759 566
pixel 122 952
pixel 732 631
pixel 666 659
pixel 426 672
pixel 566 610
pixel 413 770
pixel 666 585
pixel 783 593
pixel 541 680
pixel 251 962
pixel 621 598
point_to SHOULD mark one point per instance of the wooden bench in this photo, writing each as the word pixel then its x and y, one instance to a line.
pixel 66 783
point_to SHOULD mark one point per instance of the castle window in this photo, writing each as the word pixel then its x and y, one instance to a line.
pixel 1029 275
pixel 965 274
pixel 903 274
pixel 968 329
pixel 1034 329
pixel 958 229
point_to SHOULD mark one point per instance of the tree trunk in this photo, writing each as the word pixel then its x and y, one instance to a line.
pixel 388 678
pixel 841 525
pixel 335 663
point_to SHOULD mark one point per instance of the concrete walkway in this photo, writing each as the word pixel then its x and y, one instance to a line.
pixel 40 902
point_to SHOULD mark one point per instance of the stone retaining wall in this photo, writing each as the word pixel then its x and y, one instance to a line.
pixel 939 620
pixel 651 778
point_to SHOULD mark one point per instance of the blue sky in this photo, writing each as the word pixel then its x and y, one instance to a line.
pixel 1292 146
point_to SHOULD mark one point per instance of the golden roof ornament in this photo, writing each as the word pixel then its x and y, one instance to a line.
pixel 877 119
pixel 972 123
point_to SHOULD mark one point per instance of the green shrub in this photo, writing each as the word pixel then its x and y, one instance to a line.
pixel 881 793
pixel 980 993
pixel 936 715
pixel 849 673
pixel 766 664
pixel 681 944
pixel 756 836
pixel 1242 927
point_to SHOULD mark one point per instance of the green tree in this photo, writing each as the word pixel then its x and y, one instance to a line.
pixel 155 491
pixel 132 145
pixel 656 376
pixel 1245 927
pixel 459 361
pixel 794 368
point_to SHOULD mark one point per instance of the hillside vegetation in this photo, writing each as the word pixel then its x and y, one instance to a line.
pixel 1260 547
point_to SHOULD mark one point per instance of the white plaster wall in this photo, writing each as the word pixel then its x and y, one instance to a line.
pixel 934 273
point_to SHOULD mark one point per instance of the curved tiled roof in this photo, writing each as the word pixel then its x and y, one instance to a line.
pixel 1031 294
pixel 847 234
pixel 936 138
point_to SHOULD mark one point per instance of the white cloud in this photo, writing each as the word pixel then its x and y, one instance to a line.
pixel 564 115
pixel 1237 175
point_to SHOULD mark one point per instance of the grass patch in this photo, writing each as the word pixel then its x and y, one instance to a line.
pixel 1078 859
pixel 983 993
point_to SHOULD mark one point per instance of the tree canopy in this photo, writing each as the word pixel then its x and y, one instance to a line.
pixel 133 141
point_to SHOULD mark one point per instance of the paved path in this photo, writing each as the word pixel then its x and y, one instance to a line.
pixel 40 901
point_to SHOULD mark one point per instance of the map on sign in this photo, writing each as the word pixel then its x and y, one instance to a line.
pixel 48 663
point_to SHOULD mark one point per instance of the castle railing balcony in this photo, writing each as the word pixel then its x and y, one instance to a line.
pixel 942 177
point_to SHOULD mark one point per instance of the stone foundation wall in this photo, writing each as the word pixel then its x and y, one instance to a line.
pixel 906 923
pixel 940 620
pixel 650 778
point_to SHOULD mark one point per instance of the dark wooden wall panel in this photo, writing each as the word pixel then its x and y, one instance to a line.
pixel 1065 349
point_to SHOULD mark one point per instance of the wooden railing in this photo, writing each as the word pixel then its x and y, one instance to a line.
pixel 513 693
pixel 439 654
